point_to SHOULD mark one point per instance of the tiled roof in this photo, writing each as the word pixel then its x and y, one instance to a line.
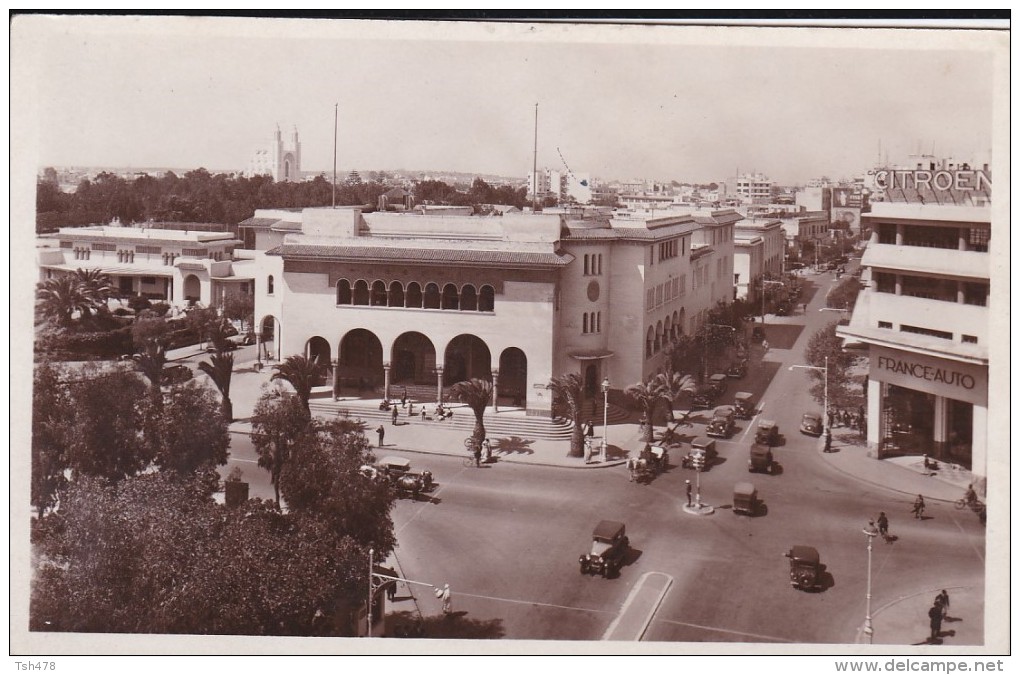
pixel 423 255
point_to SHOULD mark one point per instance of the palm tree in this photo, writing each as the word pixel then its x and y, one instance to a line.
pixel 301 373
pixel 663 387
pixel 60 297
pixel 569 388
pixel 151 361
pixel 476 394
pixel 220 368
pixel 96 286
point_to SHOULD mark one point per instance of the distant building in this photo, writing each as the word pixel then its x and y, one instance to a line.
pixel 752 188
pixel 759 250
pixel 275 159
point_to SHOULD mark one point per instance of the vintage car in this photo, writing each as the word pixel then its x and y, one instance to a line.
pixel 397 471
pixel 652 461
pixel 737 369
pixel 805 567
pixel 767 433
pixel 743 404
pixel 811 424
pixel 721 425
pixel 703 398
pixel 718 383
pixel 700 445
pixel 757 334
pixel 760 459
pixel 608 549
pixel 745 498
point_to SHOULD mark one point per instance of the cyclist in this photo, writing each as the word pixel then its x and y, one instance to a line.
pixel 970 496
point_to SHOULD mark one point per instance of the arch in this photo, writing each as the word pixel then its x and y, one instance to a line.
pixel 678 330
pixel 413 359
pixel 396 296
pixel 591 380
pixel 486 298
pixel 378 297
pixel 667 330
pixel 682 320
pixel 343 292
pixel 649 341
pixel 451 298
pixel 432 296
pixel 193 288
pixel 414 296
pixel 360 360
pixel 360 292
pixel 658 336
pixel 269 332
pixel 468 298
pixel 466 357
pixel 513 375
pixel 317 349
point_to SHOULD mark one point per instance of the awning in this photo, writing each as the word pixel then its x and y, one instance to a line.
pixel 112 271
pixel 591 354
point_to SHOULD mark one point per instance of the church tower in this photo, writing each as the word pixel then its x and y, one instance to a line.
pixel 275 159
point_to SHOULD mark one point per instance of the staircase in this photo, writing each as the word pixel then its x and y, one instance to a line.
pixel 511 422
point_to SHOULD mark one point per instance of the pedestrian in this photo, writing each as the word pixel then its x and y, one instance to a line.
pixel 919 508
pixel 828 441
pixel 487 447
pixel 765 345
pixel 423 413
pixel 394 415
pixel 935 621
pixel 403 398
pixel 689 502
pixel 382 433
pixel 943 599
pixel 444 595
pixel 587 450
pixel 589 430
pixel 804 305
pixel 883 525
pixel 410 408
pixel 830 415
pixel 477 452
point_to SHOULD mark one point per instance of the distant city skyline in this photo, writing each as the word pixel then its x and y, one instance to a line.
pixel 792 104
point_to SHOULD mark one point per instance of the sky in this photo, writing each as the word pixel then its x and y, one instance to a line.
pixel 666 103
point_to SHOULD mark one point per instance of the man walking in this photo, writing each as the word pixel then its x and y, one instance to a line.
pixel 828 441
pixel 394 415
pixel 444 595
pixel 883 526
pixel 935 621
pixel 689 503
pixel 943 600
pixel 382 433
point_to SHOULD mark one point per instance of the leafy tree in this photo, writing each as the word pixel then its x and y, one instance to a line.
pixel 102 422
pixel 96 286
pixel 239 307
pixel 49 405
pixel 477 394
pixel 825 343
pixel 191 431
pixel 844 294
pixel 569 389
pixel 648 395
pixel 302 374
pixel 322 481
pixel 220 369
pixel 279 423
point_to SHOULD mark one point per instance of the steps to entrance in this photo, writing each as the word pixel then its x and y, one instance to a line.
pixel 507 423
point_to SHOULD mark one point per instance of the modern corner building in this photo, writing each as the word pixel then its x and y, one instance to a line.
pixel 423 301
pixel 925 320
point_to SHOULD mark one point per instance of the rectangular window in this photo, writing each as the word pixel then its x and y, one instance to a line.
pixel 885 282
pixel 926 287
pixel 975 294
pixel 584 323
pixel 156 250
pixel 930 237
pixel 970 339
pixel 885 324
pixel 977 240
pixel 149 280
pixel 886 233
pixel 585 264
pixel 195 252
pixel 66 244
pixel 100 246
pixel 650 299
pixel 930 332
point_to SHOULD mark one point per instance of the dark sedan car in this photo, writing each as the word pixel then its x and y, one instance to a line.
pixel 811 424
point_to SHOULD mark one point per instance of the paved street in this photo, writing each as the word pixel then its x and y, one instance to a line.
pixel 506 537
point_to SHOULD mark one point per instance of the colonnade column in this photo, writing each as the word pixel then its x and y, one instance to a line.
pixel 495 391
pixel 874 418
pixel 439 384
pixel 336 379
pixel 940 427
pixel 386 380
pixel 979 448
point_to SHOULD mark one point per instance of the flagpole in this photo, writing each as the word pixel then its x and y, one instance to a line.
pixel 534 167
pixel 335 113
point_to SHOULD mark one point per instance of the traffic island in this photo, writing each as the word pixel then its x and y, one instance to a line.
pixel 699 509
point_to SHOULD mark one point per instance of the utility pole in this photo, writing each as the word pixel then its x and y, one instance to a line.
pixel 336 107
pixel 534 167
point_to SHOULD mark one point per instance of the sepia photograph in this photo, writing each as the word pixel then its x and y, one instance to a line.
pixel 365 337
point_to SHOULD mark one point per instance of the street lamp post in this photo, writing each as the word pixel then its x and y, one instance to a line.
pixel 605 418
pixel 869 632
pixel 371 578
pixel 825 395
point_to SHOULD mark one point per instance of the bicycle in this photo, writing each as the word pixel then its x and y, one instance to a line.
pixel 975 504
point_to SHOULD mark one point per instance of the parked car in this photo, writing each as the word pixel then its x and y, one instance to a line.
pixel 177 374
pixel 760 459
pixel 745 498
pixel 737 369
pixel 608 549
pixel 226 346
pixel 743 404
pixel 703 398
pixel 805 567
pixel 811 424
pixel 718 383
pixel 722 425
pixel 757 334
pixel 767 433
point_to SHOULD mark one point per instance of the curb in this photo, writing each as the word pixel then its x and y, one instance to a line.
pixel 880 485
